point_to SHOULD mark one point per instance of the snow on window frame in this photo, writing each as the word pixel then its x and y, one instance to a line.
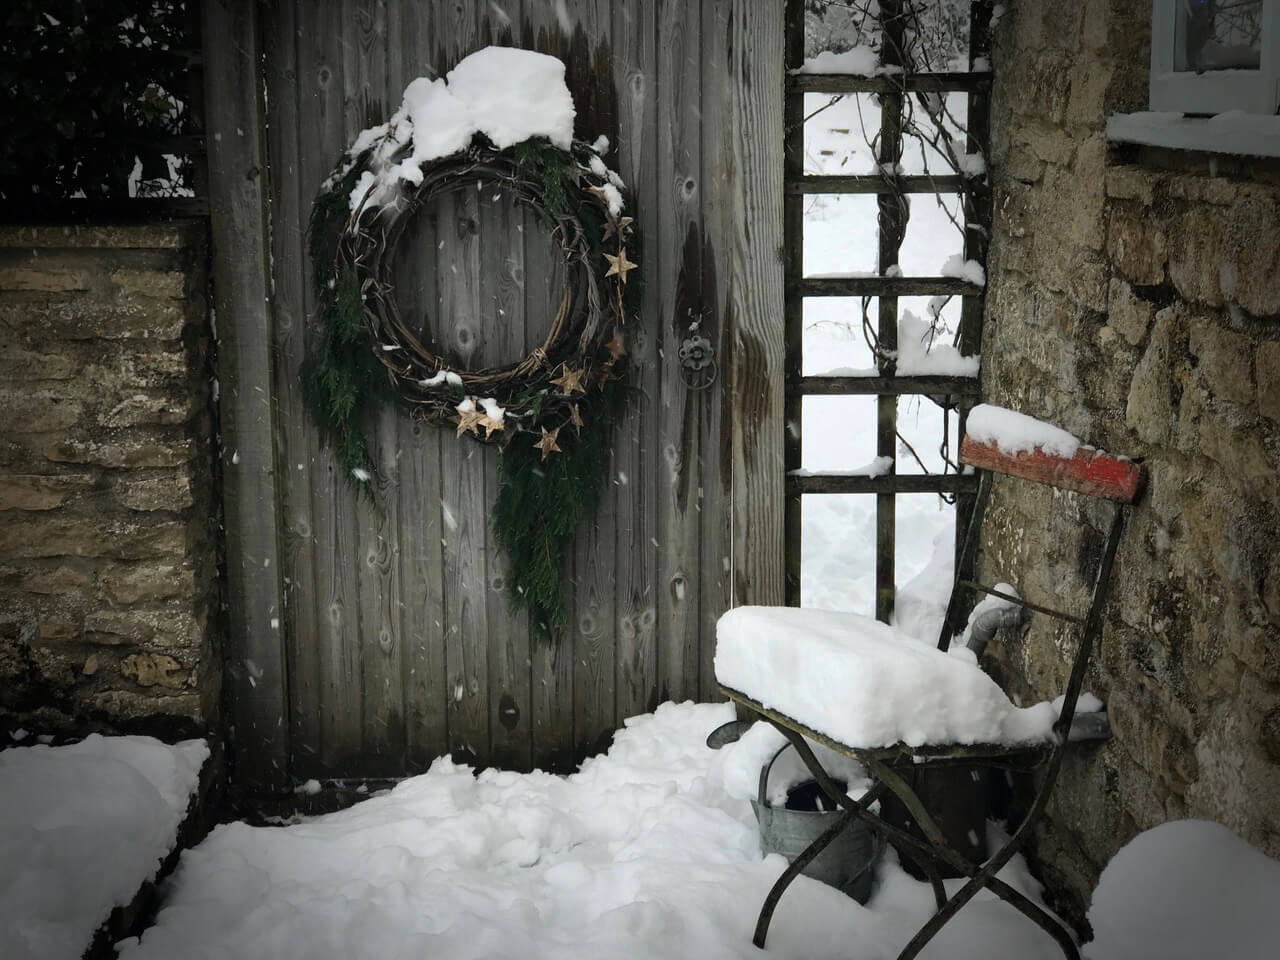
pixel 1218 91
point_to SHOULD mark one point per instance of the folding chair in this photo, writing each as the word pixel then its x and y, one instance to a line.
pixel 1088 472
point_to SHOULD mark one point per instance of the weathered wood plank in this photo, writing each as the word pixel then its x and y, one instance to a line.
pixel 891 484
pixel 886 287
pixel 1092 472
pixel 873 183
pixel 323 132
pixel 913 83
pixel 714 514
pixel 418 492
pixel 793 300
pixel 593 614
pixel 377 556
pixel 635 441
pixel 755 121
pixel 295 442
pixel 900 386
pixel 256 680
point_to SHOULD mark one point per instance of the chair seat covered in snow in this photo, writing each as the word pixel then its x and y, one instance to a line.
pixel 874 694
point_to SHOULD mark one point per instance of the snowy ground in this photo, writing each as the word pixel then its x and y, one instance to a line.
pixel 649 851
pixel 82 827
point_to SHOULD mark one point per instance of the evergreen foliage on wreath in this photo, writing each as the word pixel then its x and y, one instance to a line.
pixel 552 412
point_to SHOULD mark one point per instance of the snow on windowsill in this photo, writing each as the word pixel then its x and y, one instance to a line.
pixel 1236 133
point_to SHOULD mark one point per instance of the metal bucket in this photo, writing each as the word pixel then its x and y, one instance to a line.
pixel 848 862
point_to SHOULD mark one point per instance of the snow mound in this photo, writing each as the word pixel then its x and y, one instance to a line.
pixel 82 827
pixel 864 683
pixel 1186 890
pixel 507 94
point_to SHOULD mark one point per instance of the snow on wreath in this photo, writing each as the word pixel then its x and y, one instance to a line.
pixel 502 118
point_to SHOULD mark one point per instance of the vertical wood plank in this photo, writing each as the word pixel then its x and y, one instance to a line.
pixel 503 331
pixel 322 130
pixel 717 468
pixel 679 284
pixel 255 678
pixel 378 525
pixel 755 37
pixel 418 493
pixel 594 610
pixel 634 477
pixel 295 442
pixel 793 239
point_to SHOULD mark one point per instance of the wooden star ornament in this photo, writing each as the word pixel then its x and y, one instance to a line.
pixel 618 226
pixel 548 443
pixel 469 421
pixel 491 424
pixel 619 266
pixel 575 417
pixel 569 381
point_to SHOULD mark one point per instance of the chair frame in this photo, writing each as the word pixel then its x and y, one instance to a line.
pixel 1089 472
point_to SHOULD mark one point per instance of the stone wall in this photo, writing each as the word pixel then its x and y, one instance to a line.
pixel 1135 300
pixel 108 566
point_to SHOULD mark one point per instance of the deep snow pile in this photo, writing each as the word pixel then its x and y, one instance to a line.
pixel 649 851
pixel 82 827
pixel 1186 890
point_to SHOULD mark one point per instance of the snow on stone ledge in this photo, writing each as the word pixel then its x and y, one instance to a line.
pixel 82 828
pixel 1015 432
pixel 1186 890
pixel 865 684
pixel 1234 132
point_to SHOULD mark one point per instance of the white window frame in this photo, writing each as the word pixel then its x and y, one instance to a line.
pixel 1218 91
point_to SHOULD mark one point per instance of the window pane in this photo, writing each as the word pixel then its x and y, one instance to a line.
pixel 924 427
pixel 1218 35
pixel 838 434
pixel 834 341
pixel 838 552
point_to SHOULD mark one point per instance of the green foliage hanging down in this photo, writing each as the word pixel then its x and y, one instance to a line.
pixel 541 502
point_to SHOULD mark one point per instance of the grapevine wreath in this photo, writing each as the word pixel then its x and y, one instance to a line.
pixel 551 412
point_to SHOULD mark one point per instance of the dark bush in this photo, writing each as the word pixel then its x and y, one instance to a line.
pixel 90 87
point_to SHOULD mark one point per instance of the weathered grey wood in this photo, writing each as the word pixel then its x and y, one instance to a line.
pixel 671 89
pixel 793 309
pixel 755 117
pixel 593 613
pixel 714 578
pixel 637 77
pixel 862 386
pixel 401 642
pixel 874 183
pixel 890 484
pixel 913 83
pixel 256 679
pixel 295 443
pixel 887 287
pixel 324 132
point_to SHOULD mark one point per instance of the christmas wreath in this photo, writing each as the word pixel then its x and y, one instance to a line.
pixel 552 412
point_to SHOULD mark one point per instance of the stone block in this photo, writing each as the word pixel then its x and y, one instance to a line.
pixel 17 364
pixel 151 236
pixel 39 491
pixel 37 411
pixel 1196 258
pixel 136 450
pixel 87 318
pixel 42 279
pixel 1136 247
pixel 1225 360
pixel 61 579
pixel 170 491
pixel 1253 253
pixel 168 627
pixel 157 284
pixel 144 409
pixel 1129 183
pixel 1128 315
pixel 1152 407
pixel 1088 92
pixel 145 581
pixel 157 701
pixel 1267 364
pixel 132 372
pixel 61 534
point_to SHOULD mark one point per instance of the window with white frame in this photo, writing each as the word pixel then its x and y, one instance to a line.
pixel 1215 56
